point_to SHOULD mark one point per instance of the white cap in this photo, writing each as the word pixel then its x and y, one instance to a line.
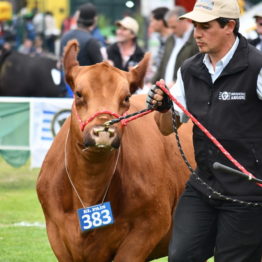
pixel 129 23
pixel 208 10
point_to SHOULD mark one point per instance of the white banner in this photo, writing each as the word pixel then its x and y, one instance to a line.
pixel 41 120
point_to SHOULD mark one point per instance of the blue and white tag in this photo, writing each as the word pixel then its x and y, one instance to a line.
pixel 95 216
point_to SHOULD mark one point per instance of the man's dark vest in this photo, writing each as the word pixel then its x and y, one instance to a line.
pixel 231 110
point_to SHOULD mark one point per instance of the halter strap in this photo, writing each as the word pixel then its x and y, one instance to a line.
pixel 84 123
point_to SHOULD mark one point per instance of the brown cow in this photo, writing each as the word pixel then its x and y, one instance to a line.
pixel 141 169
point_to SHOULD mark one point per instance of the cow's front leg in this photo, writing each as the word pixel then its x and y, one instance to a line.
pixel 141 241
pixel 57 244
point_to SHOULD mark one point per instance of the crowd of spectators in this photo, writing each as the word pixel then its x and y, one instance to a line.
pixel 36 33
pixel 31 33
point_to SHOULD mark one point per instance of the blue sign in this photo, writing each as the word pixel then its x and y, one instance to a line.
pixel 95 216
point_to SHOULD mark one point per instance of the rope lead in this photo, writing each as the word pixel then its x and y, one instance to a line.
pixel 128 118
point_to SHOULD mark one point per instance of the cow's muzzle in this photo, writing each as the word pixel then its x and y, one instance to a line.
pixel 102 137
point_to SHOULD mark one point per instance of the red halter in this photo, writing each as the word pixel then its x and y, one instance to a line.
pixel 84 123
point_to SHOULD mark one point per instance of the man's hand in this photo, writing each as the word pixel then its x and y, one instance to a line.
pixel 158 100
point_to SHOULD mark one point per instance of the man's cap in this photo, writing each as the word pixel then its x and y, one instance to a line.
pixel 208 10
pixel 258 14
pixel 129 23
pixel 87 14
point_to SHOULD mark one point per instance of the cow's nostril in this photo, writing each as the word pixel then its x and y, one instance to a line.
pixel 111 131
pixel 98 129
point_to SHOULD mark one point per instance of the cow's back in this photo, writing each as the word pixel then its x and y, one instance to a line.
pixel 25 75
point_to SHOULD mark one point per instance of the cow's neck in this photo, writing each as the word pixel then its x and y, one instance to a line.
pixel 90 172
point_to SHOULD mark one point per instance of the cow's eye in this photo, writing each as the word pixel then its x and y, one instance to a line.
pixel 78 94
pixel 127 98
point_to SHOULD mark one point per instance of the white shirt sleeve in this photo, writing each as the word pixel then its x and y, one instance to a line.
pixel 259 85
pixel 178 91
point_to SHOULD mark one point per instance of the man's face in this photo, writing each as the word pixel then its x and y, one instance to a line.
pixel 259 25
pixel 177 26
pixel 210 37
pixel 123 34
pixel 156 25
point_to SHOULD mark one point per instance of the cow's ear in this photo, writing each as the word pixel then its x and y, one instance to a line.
pixel 137 74
pixel 71 65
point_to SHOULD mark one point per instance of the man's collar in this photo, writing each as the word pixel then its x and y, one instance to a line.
pixel 224 60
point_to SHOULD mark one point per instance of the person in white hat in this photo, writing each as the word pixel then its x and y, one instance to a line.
pixel 257 42
pixel 220 213
pixel 126 52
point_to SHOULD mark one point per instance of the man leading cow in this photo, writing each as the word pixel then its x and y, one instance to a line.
pixel 218 214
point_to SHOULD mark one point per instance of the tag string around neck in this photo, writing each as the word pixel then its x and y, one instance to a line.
pixel 71 182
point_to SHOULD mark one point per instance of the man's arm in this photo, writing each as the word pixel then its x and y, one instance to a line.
pixel 163 118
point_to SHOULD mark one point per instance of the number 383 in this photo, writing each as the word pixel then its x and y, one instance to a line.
pixel 96 219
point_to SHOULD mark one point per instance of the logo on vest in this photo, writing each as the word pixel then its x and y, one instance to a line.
pixel 232 96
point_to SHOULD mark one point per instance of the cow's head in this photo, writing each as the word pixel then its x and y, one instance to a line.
pixel 99 88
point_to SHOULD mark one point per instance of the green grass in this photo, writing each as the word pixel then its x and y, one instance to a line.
pixel 19 203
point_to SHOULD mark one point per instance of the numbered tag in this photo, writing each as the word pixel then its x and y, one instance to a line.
pixel 95 216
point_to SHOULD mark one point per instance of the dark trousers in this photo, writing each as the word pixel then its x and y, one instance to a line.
pixel 204 227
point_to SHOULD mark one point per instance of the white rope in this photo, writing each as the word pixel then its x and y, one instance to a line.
pixel 71 182
pixel 66 168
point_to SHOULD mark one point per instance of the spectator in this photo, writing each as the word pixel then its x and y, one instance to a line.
pixel 94 30
pixel 30 32
pixel 89 48
pixel 125 53
pixel 257 42
pixel 159 26
pixel 50 31
pixel 27 47
pixel 7 36
pixel 179 46
pixel 38 44
pixel 67 24
pixel 89 52
pixel 19 30
pixel 38 22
